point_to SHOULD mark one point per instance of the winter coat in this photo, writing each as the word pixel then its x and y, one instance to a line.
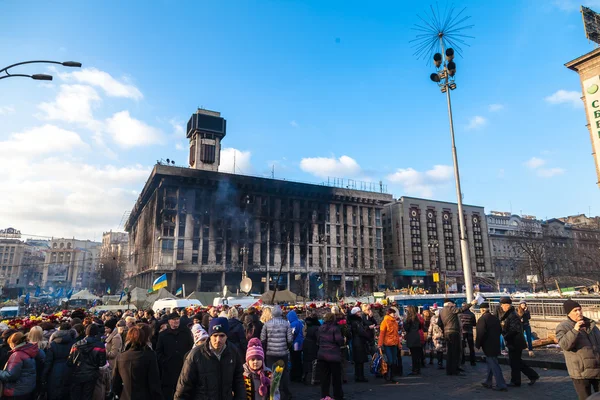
pixel 309 348
pixel 237 335
pixel 252 326
pixel 360 339
pixel 448 320
pixel 136 376
pixel 252 384
pixel 86 356
pixel 512 330
pixel 412 328
pixel 467 322
pixel 581 349
pixel 388 332
pixel 172 346
pixel 56 373
pixel 488 334
pixel 297 330
pixel 276 337
pixel 206 377
pixel 113 345
pixel 20 373
pixel 329 340
pixel 367 322
pixel 4 354
pixel 526 317
pixel 437 334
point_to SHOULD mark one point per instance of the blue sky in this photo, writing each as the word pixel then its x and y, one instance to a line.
pixel 315 88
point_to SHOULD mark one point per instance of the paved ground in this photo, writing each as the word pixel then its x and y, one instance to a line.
pixel 553 384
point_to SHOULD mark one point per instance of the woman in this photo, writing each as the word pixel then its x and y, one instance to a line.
pixel 389 340
pixel 437 337
pixel 267 315
pixel 19 375
pixel 360 339
pixel 329 357
pixel 36 336
pixel 525 317
pixel 370 325
pixel 56 373
pixel 236 334
pixel 309 348
pixel 4 347
pixel 428 346
pixel 135 376
pixel 412 326
pixel 113 341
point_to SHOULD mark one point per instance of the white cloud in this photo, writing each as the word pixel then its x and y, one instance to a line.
pixel 294 124
pixel 422 183
pixel 6 110
pixel 41 140
pixel 476 122
pixel 535 162
pixel 178 128
pixel 565 97
pixel 242 161
pixel 129 132
pixel 73 104
pixel 495 107
pixel 104 80
pixel 179 146
pixel 324 167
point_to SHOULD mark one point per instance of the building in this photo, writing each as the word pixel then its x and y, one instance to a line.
pixel 203 227
pixel 422 237
pixel 115 244
pixel 20 262
pixel 71 263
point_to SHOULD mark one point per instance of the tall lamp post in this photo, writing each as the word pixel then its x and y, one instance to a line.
pixel 38 77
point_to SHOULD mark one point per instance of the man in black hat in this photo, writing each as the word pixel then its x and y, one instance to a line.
pixel 512 330
pixel 173 343
pixel 488 337
pixel 449 323
pixel 579 338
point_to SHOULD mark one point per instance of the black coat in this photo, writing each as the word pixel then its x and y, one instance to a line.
pixel 205 377
pixel 87 356
pixel 136 377
pixel 360 339
pixel 329 339
pixel 467 322
pixel 237 335
pixel 171 348
pixel 488 334
pixel 309 348
pixel 367 322
pixel 512 329
pixel 448 319
pixel 413 337
pixel 4 350
pixel 56 372
pixel 252 326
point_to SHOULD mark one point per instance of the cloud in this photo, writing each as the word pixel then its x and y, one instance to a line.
pixel 294 124
pixel 242 161
pixel 422 183
pixel 41 140
pixel 476 122
pixel 129 132
pixel 179 146
pixel 103 80
pixel 73 104
pixel 495 107
pixel 535 162
pixel 6 110
pixel 324 167
pixel 565 97
pixel 178 128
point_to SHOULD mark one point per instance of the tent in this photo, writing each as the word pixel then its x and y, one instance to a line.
pixel 207 298
pixel 162 293
pixel 282 296
pixel 84 295
pixel 138 297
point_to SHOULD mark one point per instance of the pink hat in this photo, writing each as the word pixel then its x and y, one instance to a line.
pixel 255 349
pixel 434 307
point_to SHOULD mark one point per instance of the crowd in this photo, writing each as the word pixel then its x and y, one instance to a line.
pixel 227 353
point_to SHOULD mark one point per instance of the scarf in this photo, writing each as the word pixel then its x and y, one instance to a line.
pixel 264 378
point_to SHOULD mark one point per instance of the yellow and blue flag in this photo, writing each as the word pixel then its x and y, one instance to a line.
pixel 179 292
pixel 160 282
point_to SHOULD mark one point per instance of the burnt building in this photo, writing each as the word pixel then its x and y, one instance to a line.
pixel 206 229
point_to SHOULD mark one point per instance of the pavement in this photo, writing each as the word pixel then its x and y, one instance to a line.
pixel 432 383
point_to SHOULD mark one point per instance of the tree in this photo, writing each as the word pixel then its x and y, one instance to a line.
pixel 112 268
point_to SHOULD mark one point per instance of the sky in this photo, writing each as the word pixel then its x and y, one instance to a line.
pixel 310 90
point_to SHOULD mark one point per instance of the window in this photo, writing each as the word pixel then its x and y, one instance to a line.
pixel 168 245
pixel 180 247
pixel 207 153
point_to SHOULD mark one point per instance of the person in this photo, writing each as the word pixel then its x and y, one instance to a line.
pixel 512 330
pixel 36 336
pixel 449 323
pixel 428 346
pixel 298 340
pixel 309 348
pixel 213 370
pixel 236 334
pixel 488 337
pixel 257 377
pixel 173 343
pixel 525 316
pixel 252 324
pixel 329 356
pixel 389 340
pixel 579 339
pixel 199 334
pixel 360 343
pixel 467 324
pixel 370 325
pixel 437 338
pixel 412 326
pixel 135 372
pixel 113 341
pixel 85 359
pixel 122 330
pixel 56 374
pixel 277 335
pixel 5 347
pixel 20 373
pixel 130 322
pixel 183 318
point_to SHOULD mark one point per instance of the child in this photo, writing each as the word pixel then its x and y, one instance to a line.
pixel 257 377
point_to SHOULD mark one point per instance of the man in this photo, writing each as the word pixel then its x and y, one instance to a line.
pixel 277 337
pixel 488 336
pixel 512 330
pixel 85 359
pixel 173 343
pixel 213 312
pixel 212 370
pixel 579 338
pixel 130 321
pixel 448 321
pixel 467 323
pixel 184 319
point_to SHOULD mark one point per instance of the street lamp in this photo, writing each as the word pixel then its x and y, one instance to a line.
pixel 433 251
pixel 37 77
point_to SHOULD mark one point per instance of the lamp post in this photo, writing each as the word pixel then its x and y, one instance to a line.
pixel 37 77
pixel 433 251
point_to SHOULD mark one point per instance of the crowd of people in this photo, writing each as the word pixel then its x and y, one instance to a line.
pixel 227 353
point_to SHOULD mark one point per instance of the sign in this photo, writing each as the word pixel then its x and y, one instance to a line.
pixel 352 278
pixel 10 233
pixel 57 272
pixel 454 273
pixel 591 24
pixel 436 277
pixel 485 274
pixel 591 90
pixel 532 279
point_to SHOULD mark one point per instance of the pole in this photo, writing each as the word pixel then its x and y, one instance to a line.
pixel 183 287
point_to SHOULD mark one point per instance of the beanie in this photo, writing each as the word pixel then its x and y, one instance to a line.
pixel 218 325
pixel 91 330
pixel 569 305
pixel 199 333
pixel 355 310
pixel 505 300
pixel 111 324
pixel 277 312
pixel 255 349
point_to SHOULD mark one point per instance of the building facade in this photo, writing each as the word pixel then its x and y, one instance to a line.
pixel 20 262
pixel 421 237
pixel 71 263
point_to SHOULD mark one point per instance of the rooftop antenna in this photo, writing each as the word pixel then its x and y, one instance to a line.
pixel 273 172
pixel 234 161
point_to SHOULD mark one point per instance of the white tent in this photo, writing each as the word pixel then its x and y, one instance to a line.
pixel 84 295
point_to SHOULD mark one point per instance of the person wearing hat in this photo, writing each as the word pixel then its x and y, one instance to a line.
pixel 579 339
pixel 389 340
pixel 113 341
pixel 360 341
pixel 467 324
pixel 213 370
pixel 488 331
pixel 450 324
pixel 173 344
pixel 199 334
pixel 257 377
pixel 278 337
pixel 525 316
pixel 512 330
pixel 85 359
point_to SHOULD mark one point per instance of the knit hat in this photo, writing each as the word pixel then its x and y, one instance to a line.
pixel 276 312
pixel 355 310
pixel 485 305
pixel 505 300
pixel 111 323
pixel 255 349
pixel 121 323
pixel 569 305
pixel 218 325
pixel 434 307
pixel 173 315
pixel 523 301
pixel 199 333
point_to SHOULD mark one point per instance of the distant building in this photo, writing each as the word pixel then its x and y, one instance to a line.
pixel 20 262
pixel 421 237
pixel 71 263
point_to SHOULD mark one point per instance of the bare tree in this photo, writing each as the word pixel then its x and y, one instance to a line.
pixel 112 268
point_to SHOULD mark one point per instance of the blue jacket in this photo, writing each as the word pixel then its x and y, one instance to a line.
pixel 297 329
pixel 19 375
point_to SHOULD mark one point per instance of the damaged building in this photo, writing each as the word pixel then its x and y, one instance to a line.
pixel 206 229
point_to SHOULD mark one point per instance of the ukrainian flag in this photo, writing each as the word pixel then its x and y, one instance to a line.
pixel 160 282
pixel 179 292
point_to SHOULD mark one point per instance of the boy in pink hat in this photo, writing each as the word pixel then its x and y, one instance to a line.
pixel 257 377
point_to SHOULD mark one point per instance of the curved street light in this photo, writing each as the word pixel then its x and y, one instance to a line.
pixel 37 77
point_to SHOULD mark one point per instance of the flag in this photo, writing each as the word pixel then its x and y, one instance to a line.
pixel 179 292
pixel 94 303
pixel 59 293
pixel 121 297
pixel 20 292
pixel 160 282
pixel 108 290
pixel 27 298
pixel 70 293
pixel 37 292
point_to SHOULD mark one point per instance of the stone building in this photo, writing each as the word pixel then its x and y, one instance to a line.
pixel 422 237
pixel 203 228
pixel 20 262
pixel 71 263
